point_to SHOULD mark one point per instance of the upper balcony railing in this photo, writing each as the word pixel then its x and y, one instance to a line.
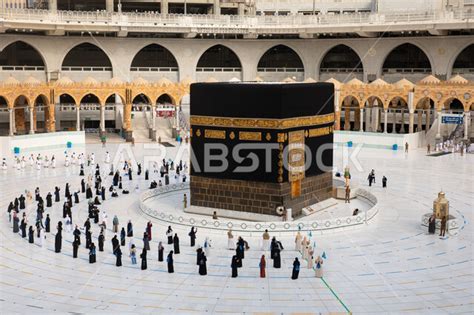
pixel 225 23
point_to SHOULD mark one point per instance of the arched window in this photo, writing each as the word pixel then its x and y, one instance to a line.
pixel 87 57
pixel 219 56
pixel 407 58
pixel 154 57
pixel 21 54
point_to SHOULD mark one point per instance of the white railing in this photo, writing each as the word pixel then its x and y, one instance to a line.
pixel 154 69
pixel 232 23
pixel 280 69
pixel 341 70
pixel 86 68
pixel 218 69
pixel 22 68
pixel 406 70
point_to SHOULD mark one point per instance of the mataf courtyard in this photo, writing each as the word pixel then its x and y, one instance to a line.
pixel 385 263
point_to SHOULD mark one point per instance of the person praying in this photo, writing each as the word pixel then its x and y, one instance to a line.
pixel 129 229
pixel 149 225
pixel 234 265
pixel 192 236
pixel 75 247
pixel 169 234
pixel 170 261
pixel 277 258
pixel 118 255
pixel 23 226
pixel 202 265
pixel 296 269
pixel 176 243
pixel 160 251
pixel 58 238
pixel 146 241
pixel 143 257
pixel 101 240
pixel 122 236
pixel 92 253
pixel 31 235
pixel 47 223
pixel 262 265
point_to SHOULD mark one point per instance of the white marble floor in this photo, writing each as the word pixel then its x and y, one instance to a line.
pixel 389 266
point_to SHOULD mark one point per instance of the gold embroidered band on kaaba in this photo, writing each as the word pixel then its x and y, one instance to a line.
pixel 286 123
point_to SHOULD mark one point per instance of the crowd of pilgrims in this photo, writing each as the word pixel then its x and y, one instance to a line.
pixel 42 224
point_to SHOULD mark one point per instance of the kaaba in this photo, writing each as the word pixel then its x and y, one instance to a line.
pixel 258 146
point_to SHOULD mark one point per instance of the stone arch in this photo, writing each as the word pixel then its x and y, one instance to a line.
pixel 165 97
pixel 40 108
pixel 271 58
pixel 89 98
pixel 399 100
pixel 421 104
pixel 219 62
pixel 371 99
pixel 14 54
pixel 141 98
pixel 4 101
pixel 104 100
pixel 154 56
pixel 463 59
pixel 339 62
pixel 20 113
pixel 19 97
pixel 280 62
pixel 415 58
pixel 90 56
pixel 219 56
pixel 67 96
pixel 452 103
pixel 346 122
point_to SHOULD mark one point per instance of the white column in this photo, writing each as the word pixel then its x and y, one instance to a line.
pixel 32 129
pixel 438 134
pixel 428 119
pixel 153 117
pixel 109 5
pixel 361 120
pixel 467 119
pixel 78 119
pixel 385 118
pixel 52 5
pixel 177 119
pixel 164 6
pixel 102 119
pixel 375 119
pixel 368 126
pixel 402 128
pixel 394 122
pixel 11 120
pixel 411 121
pixel 217 7
pixel 411 112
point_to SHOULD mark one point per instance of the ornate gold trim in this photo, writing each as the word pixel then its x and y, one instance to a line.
pixel 320 132
pixel 214 134
pixel 281 137
pixel 287 123
pixel 250 136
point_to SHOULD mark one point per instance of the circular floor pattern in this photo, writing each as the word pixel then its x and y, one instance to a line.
pixel 392 265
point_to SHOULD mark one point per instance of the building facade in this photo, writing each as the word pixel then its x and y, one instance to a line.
pixel 93 66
